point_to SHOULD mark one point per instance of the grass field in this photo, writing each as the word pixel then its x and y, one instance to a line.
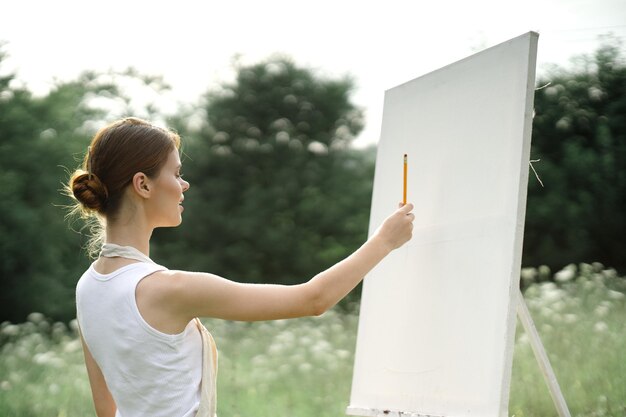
pixel 303 367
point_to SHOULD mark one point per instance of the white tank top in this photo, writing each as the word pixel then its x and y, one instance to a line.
pixel 149 373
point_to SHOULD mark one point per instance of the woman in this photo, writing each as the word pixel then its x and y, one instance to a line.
pixel 145 354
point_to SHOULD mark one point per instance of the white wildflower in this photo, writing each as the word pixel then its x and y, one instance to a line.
pixel 281 323
pixel 259 360
pixel 321 346
pixel 276 348
pixel 282 137
pixel 305 367
pixel 566 274
pixel 317 148
pixel 48 358
pixel 11 330
pixel 570 318
pixel 610 273
pixel 342 353
pixel 297 357
pixel 59 328
pixel 585 269
pixel 528 274
pixel 550 292
pixel 74 325
pixel 616 295
pixel 336 328
pixel 600 327
pixel 286 337
pixel 72 346
pixel 588 285
pixel 547 286
pixel 16 377
pixel 601 310
pixel 597 266
pixel 532 292
pixel 36 317
pixel 523 339
pixel 544 271
pixel 598 279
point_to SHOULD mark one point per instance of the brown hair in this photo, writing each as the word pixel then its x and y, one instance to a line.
pixel 117 152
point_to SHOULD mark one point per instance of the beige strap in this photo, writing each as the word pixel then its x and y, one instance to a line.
pixel 208 391
pixel 110 250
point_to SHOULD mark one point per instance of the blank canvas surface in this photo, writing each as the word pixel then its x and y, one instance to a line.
pixel 437 317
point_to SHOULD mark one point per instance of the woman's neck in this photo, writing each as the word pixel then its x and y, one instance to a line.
pixel 130 234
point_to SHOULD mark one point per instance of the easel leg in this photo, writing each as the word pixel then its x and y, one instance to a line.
pixel 541 356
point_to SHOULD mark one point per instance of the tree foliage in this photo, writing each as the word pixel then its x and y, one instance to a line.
pixel 276 192
pixel 40 256
pixel 579 133
pixel 42 139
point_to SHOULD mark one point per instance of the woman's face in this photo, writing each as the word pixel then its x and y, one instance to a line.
pixel 166 204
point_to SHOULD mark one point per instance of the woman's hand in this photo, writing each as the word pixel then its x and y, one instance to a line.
pixel 397 229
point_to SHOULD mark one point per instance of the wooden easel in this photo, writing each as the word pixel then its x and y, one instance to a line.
pixel 541 356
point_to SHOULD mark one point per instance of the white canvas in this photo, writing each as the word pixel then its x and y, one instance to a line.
pixel 437 317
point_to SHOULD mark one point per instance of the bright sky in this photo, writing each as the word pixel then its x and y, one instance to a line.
pixel 380 43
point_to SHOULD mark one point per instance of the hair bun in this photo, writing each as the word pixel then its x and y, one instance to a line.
pixel 89 190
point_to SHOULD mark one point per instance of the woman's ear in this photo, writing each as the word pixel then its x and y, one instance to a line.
pixel 141 184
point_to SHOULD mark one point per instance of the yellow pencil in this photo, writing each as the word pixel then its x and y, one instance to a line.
pixel 405 171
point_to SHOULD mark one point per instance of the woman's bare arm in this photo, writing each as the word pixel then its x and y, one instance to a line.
pixel 190 294
pixel 102 398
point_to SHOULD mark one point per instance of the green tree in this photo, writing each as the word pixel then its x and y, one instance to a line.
pixel 579 133
pixel 42 139
pixel 37 135
pixel 276 192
